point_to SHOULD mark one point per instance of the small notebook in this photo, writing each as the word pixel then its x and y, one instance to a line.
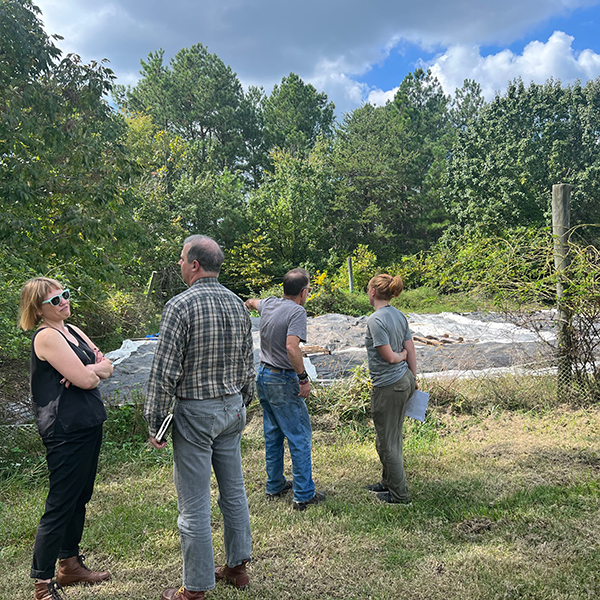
pixel 163 428
pixel 417 405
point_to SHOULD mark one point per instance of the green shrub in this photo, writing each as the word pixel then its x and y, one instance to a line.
pixel 429 300
pixel 21 452
pixel 338 301
pixel 14 342
pixel 115 316
pixel 364 267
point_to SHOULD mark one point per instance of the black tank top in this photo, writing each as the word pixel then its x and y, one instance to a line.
pixel 73 407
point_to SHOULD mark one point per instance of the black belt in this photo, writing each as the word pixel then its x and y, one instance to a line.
pixel 275 370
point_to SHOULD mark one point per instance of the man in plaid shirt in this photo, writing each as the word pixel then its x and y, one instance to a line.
pixel 204 362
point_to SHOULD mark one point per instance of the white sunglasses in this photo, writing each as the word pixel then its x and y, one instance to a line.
pixel 55 300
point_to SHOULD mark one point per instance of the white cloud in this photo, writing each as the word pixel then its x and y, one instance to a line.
pixel 332 78
pixel 379 97
pixel 327 43
pixel 538 62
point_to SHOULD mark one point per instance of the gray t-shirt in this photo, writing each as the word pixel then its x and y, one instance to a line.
pixel 279 317
pixel 386 326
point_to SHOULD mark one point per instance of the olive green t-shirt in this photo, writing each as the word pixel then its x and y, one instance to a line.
pixel 386 326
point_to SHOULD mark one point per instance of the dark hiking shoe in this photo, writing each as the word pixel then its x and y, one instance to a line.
pixel 387 497
pixel 318 497
pixel 377 487
pixel 287 486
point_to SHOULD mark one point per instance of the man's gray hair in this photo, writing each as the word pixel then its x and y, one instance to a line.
pixel 295 281
pixel 206 251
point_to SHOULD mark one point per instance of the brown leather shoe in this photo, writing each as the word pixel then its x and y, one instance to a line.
pixel 48 591
pixel 72 570
pixel 181 594
pixel 235 575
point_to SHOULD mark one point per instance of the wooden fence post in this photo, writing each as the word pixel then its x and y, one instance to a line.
pixel 561 222
pixel 350 274
pixel 151 285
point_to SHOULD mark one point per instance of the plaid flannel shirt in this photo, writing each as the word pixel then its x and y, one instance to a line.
pixel 204 350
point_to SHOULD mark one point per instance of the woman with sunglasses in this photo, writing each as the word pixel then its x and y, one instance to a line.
pixel 66 368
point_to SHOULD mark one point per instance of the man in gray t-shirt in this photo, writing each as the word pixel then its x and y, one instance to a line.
pixel 282 384
pixel 280 318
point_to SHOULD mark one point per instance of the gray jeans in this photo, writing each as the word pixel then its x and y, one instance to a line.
pixel 388 406
pixel 205 433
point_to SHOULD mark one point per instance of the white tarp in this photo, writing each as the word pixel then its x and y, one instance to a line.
pixel 470 328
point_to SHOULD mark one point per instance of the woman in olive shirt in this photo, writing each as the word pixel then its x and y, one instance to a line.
pixel 393 370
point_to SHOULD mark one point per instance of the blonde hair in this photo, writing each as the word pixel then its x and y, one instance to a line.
pixel 32 296
pixel 386 287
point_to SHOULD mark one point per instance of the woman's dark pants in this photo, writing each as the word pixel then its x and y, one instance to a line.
pixel 72 461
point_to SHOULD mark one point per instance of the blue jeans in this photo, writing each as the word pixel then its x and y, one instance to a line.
pixel 208 432
pixel 285 416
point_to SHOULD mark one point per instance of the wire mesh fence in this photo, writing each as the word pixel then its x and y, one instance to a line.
pixel 463 385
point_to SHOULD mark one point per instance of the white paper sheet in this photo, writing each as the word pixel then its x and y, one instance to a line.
pixel 417 405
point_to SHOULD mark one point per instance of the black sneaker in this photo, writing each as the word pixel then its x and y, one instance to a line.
pixel 387 497
pixel 318 497
pixel 377 487
pixel 287 486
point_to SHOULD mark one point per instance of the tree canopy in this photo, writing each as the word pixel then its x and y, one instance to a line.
pixel 104 197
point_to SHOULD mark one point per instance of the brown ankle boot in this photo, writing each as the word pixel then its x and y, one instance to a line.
pixel 72 570
pixel 48 591
pixel 235 575
pixel 181 594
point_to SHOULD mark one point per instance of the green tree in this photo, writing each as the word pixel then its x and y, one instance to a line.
pixel 289 211
pixel 63 172
pixel 369 164
pixel 426 134
pixel 65 197
pixel 256 158
pixel 196 97
pixel 296 115
pixel 388 162
pixel 27 51
pixel 467 104
pixel 503 166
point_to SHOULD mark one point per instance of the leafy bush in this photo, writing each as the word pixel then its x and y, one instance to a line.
pixel 14 343
pixel 126 421
pixel 364 267
pixel 329 297
pixel 115 316
pixel 21 452
pixel 429 300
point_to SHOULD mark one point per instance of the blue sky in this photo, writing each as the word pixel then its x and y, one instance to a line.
pixel 354 51
pixel 582 24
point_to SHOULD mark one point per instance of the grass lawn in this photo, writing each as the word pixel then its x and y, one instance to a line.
pixel 506 505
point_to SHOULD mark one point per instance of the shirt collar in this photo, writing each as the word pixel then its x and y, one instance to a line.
pixel 206 280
